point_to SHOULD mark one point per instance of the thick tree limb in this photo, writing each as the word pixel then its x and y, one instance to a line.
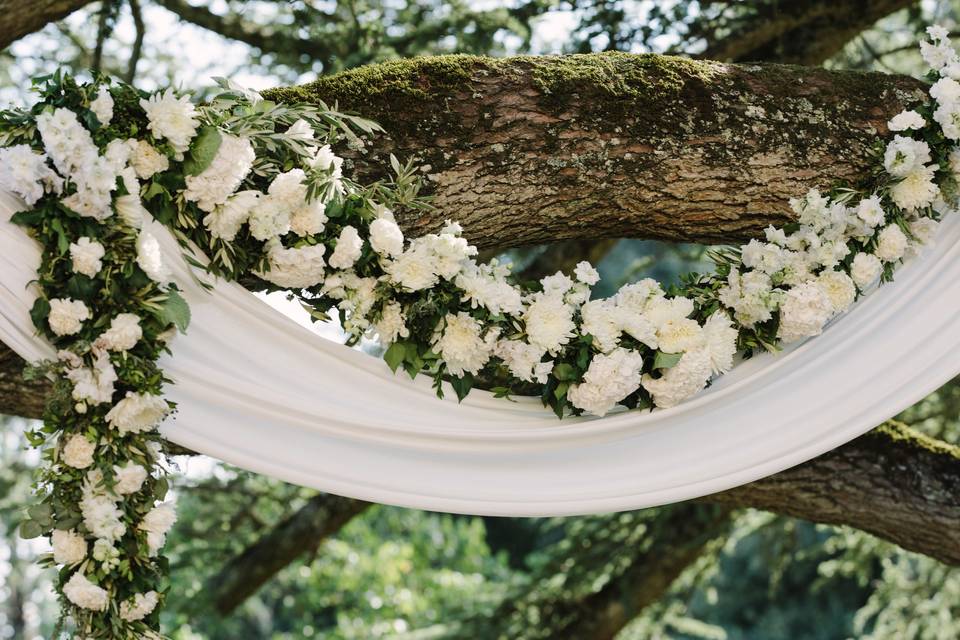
pixel 19 18
pixel 530 150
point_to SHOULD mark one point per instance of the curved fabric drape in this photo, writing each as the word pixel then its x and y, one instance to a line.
pixel 257 390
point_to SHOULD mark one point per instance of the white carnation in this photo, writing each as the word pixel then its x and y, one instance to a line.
pixel 905 155
pixel 86 255
pixel 146 160
pixel 139 606
pixel 865 269
pixel 414 269
pixel 24 172
pixel 86 595
pixel 720 341
pixel 549 322
pixel 230 165
pixel 137 412
pixel 150 258
pixel 891 244
pixel 945 91
pixel 523 360
pixel 156 524
pixel 67 316
pixel 348 249
pixel 171 118
pixel 586 274
pixel 94 385
pixel 463 345
pixel 102 106
pixel 750 295
pixel 78 452
pixel 386 238
pixel 124 333
pixel 129 478
pixel 309 219
pixel 681 381
pixel 610 378
pixel 916 190
pixel 296 268
pixel 948 117
pixel 392 324
pixel 269 218
pixel 69 547
pixel 101 515
pixel 226 220
pixel 677 335
pixel 839 288
pixel 906 120
pixel 805 310
pixel 870 211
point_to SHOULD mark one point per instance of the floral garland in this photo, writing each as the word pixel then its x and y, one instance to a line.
pixel 252 190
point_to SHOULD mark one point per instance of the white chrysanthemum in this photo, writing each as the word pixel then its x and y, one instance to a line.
pixel 485 286
pixel 870 211
pixel 67 316
pixel 137 412
pixel 392 324
pixel 839 288
pixel 102 106
pixel 463 345
pixel 678 383
pixel 720 341
pixel 78 452
pixel 230 165
pixel 69 547
pixel 677 335
pixel 86 255
pixel 24 172
pixel 549 322
pixel 905 155
pixel 269 218
pixel 414 269
pixel 296 268
pixel 917 190
pixel 865 269
pixel 804 311
pixel 139 606
pixel 586 274
pixel 906 120
pixel 171 118
pixel 150 258
pixel 146 160
pixel 131 211
pixel 891 244
pixel 348 249
pixel 309 219
pixel 602 320
pixel 129 478
pixel 156 524
pixel 226 220
pixel 386 238
pixel 610 378
pixel 84 594
pixel 523 360
pixel 124 333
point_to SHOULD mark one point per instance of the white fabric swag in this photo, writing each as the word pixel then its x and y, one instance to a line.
pixel 259 391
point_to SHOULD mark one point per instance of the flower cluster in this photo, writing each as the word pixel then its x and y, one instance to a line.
pixel 255 189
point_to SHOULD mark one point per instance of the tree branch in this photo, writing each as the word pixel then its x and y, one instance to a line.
pixel 19 18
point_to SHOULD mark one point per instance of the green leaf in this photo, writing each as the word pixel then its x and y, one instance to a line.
pixel 63 243
pixel 81 287
pixel 39 313
pixel 29 218
pixel 666 360
pixel 42 513
pixel 202 151
pixel 395 355
pixel 564 371
pixel 30 529
pixel 561 391
pixel 175 310
pixel 462 386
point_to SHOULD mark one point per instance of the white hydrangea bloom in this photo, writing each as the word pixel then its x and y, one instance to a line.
pixel 150 258
pixel 348 250
pixel 463 345
pixel 86 595
pixel 803 313
pixel 156 524
pixel 225 221
pixel 86 255
pixel 891 244
pixel 840 289
pixel 524 360
pixel 549 322
pixel 123 334
pixel 906 120
pixel 67 316
pixel 392 324
pixel 720 341
pixel 296 268
pixel 102 106
pixel 69 547
pixel 171 118
pixel 129 478
pixel 586 273
pixel 137 412
pixel 78 452
pixel 681 381
pixel 24 172
pixel 139 606
pixel 386 238
pixel 230 165
pixel 610 378
pixel 916 190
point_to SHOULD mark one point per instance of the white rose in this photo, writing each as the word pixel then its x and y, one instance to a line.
pixel 386 238
pixel 124 333
pixel 348 249
pixel 86 595
pixel 67 316
pixel 137 412
pixel 86 255
pixel 78 452
pixel 69 547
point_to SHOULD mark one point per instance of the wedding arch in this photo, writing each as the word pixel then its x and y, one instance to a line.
pixel 146 209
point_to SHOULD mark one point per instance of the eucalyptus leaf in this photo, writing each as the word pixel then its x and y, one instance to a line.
pixel 202 151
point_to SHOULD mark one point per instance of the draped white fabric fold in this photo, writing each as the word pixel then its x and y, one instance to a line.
pixel 257 390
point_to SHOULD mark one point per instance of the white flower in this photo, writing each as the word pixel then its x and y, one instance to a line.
pixel 414 269
pixel 556 284
pixel 681 381
pixel 24 172
pixel 129 478
pixel 225 221
pixel 302 131
pixel 549 322
pixel 937 32
pixel 230 165
pixel 865 269
pixel 906 120
pixel 124 333
pixel 85 256
pixel 750 295
pixel 603 321
pixel 923 229
pixel 289 189
pixel 105 553
pixel 101 515
pixel 348 249
pixel 309 219
pixel 586 274
pixel 946 91
pixel 386 238
pixel 137 412
pixel 146 160
pixel 917 190
pixel 171 118
pixel 891 244
pixel 86 595
pixel 102 106
pixel 870 211
pixel 610 378
pixel 139 607
pixel 392 324
pixel 720 341
pixel 78 452
pixel 269 218
pixel 156 524
pixel 804 311
pixel 92 385
pixel 485 286
pixel 324 159
pixel 677 335
pixel 150 258
pixel 296 268
pixel 936 55
pixel 66 141
pixel 905 155
pixel 131 210
pixel 462 343
pixel 69 547
pixel 948 117
pixel 67 316
pixel 766 257
pixel 523 360
pixel 839 288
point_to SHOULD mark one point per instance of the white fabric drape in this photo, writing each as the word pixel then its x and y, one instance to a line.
pixel 257 390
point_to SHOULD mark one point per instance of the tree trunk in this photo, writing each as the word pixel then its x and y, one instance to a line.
pixel 19 18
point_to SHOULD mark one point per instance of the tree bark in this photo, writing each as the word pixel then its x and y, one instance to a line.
pixel 19 18
pixel 530 150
